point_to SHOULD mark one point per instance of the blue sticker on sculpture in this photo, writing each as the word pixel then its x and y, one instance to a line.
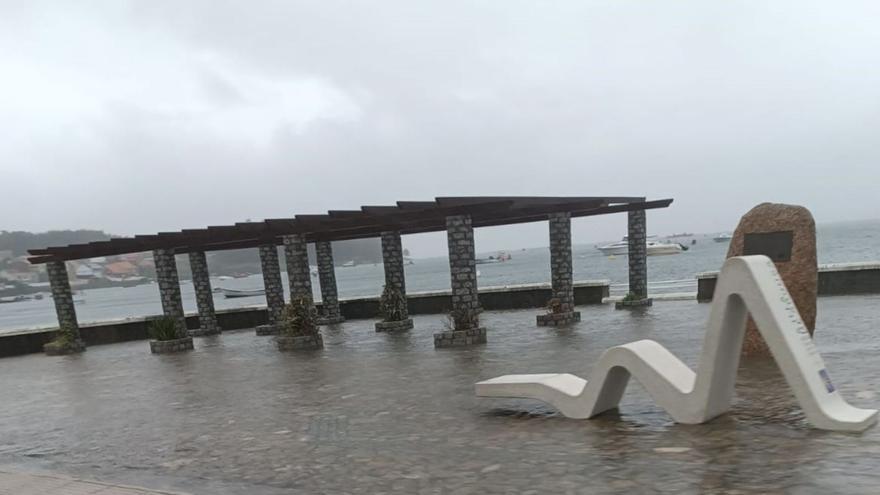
pixel 827 379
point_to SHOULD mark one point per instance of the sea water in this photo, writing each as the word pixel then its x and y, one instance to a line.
pixel 836 243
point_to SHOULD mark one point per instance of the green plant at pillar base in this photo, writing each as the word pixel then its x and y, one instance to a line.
pixel 164 328
pixel 65 337
pixel 299 318
pixel 392 304
pixel 554 305
pixel 630 297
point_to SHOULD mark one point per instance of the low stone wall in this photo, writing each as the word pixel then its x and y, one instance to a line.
pixel 459 338
pixel 558 319
pixel 835 279
pixel 31 341
pixel 491 298
pixel 849 278
pixel 172 346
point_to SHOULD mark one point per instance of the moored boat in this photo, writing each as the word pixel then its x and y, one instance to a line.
pixel 486 261
pixel 231 293
pixel 12 299
pixel 655 248
pixel 614 249
pixel 500 257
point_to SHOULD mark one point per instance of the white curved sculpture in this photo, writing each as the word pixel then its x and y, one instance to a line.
pixel 746 285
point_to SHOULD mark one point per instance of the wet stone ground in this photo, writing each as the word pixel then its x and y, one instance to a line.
pixel 375 413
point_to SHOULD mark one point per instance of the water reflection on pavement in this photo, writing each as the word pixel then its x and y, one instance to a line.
pixel 376 412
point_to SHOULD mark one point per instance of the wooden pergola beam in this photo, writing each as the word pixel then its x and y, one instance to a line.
pixel 408 217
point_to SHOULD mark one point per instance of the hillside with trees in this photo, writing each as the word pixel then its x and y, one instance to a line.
pixel 19 241
pixel 248 260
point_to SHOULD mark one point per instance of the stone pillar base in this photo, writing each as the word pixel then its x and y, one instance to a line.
pixel 203 332
pixel 56 348
pixel 394 326
pixel 171 346
pixel 559 319
pixel 302 342
pixel 331 320
pixel 637 303
pixel 263 330
pixel 458 338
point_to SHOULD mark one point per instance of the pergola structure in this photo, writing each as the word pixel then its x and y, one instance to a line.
pixel 457 215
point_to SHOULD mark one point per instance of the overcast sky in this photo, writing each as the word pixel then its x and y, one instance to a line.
pixel 137 117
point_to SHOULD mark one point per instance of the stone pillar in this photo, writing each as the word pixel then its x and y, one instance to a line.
pixel 298 274
pixel 69 339
pixel 637 256
pixel 392 261
pixel 561 306
pixel 273 287
pixel 297 258
pixel 465 314
pixel 198 264
pixel 169 288
pixel 330 313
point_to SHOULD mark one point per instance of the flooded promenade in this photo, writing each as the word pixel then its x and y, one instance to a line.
pixel 375 412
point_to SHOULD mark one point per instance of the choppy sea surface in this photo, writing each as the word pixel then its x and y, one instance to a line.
pixel 837 243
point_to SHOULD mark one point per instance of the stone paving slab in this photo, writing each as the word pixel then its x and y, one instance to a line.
pixel 43 484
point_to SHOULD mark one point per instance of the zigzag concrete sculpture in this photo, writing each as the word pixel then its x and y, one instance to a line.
pixel 746 285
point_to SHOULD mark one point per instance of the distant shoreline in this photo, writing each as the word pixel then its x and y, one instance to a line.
pixel 98 283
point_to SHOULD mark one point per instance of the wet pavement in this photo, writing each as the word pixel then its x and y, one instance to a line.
pixel 43 484
pixel 376 413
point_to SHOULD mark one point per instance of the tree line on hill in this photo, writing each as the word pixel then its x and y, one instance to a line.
pixel 360 251
pixel 19 241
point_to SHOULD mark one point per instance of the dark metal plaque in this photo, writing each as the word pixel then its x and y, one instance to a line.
pixel 775 245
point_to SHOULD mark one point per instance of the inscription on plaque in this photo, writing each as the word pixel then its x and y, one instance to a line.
pixel 774 245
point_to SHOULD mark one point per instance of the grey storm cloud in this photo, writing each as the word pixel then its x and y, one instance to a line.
pixel 156 115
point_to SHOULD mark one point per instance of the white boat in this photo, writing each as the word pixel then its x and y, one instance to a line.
pixel 655 248
pixel 614 249
pixel 619 247
pixel 230 293
pixel 486 261
pixel 348 263
pixel 12 299
pixel 498 258
pixel 722 237
pixel 85 271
